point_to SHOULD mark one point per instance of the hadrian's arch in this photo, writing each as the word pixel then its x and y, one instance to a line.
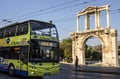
pixel 107 36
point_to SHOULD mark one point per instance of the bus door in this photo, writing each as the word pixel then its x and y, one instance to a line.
pixel 24 61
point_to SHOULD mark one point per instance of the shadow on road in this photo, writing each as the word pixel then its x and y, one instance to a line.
pixel 4 75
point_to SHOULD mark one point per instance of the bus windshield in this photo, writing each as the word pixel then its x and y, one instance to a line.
pixel 43 29
pixel 44 42
pixel 44 51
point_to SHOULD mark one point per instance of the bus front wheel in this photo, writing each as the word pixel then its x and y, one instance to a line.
pixel 11 70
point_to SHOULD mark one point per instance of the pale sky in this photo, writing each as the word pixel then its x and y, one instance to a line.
pixel 61 12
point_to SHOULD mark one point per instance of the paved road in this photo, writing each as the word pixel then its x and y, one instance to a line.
pixel 6 76
pixel 82 75
pixel 67 72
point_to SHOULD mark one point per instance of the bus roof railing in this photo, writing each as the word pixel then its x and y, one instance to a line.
pixel 17 23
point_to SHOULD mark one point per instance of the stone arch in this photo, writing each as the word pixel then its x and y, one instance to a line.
pixel 107 37
pixel 86 38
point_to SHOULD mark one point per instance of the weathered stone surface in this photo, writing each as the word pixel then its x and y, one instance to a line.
pixel 107 37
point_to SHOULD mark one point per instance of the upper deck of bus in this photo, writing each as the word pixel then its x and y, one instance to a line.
pixel 30 26
pixel 28 30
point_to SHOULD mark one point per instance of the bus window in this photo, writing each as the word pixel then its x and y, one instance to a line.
pixel 19 30
pixel 25 29
pixel 1 33
pixel 10 31
pixel 9 53
pixel 22 29
pixel 24 54
pixel 5 53
pixel 13 30
pixel 7 33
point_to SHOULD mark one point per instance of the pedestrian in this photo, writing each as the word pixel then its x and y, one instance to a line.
pixel 76 63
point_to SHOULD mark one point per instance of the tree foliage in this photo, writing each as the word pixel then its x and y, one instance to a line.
pixel 93 52
pixel 66 49
pixel 118 50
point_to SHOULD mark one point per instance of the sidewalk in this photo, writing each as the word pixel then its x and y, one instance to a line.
pixel 96 69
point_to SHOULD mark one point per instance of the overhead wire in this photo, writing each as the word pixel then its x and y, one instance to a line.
pixel 45 9
pixel 42 10
pixel 64 19
pixel 50 11
pixel 72 18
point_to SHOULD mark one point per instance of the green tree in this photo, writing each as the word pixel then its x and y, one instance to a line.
pixel 93 52
pixel 66 49
pixel 118 50
pixel 87 52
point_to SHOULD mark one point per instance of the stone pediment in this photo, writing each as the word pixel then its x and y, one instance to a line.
pixel 89 9
pixel 92 9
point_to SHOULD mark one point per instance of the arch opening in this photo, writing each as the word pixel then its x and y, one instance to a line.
pixel 93 51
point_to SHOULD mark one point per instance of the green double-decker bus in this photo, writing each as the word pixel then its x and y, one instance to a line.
pixel 29 48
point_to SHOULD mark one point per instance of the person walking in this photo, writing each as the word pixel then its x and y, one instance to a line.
pixel 76 62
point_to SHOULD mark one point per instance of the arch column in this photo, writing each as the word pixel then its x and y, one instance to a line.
pixel 78 24
pixel 97 19
pixel 87 26
pixel 81 56
pixel 108 17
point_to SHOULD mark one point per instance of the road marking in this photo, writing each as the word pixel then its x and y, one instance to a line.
pixel 86 77
pixel 46 77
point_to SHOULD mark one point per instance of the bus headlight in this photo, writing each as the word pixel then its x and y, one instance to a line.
pixel 32 72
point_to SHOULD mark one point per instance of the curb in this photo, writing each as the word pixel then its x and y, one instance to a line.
pixel 94 69
pixel 97 71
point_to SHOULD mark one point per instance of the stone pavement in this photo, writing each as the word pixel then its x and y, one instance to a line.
pixel 96 69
